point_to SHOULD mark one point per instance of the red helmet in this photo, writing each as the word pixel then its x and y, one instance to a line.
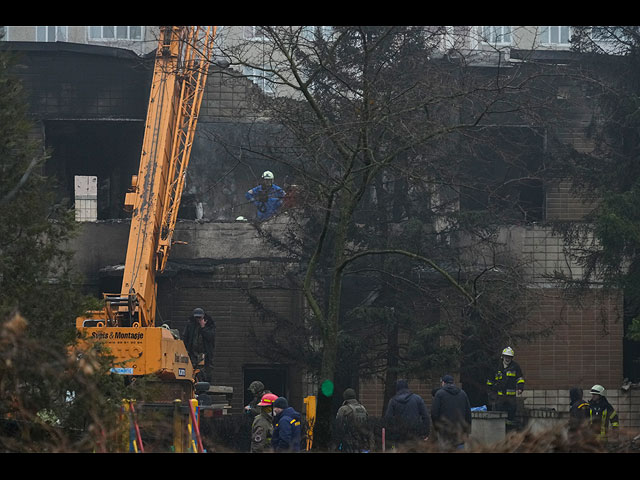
pixel 267 400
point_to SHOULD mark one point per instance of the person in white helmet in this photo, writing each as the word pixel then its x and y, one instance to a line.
pixel 602 414
pixel 267 197
pixel 506 383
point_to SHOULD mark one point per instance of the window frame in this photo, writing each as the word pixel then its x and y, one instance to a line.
pixel 547 30
pixel 260 77
pixel 45 30
pixel 255 33
pixel 117 37
pixel 311 32
pixel 483 39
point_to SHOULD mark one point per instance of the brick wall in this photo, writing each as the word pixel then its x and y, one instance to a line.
pixel 543 253
pixel 371 394
pixel 563 205
pixel 574 117
pixel 226 97
pixel 222 293
pixel 582 344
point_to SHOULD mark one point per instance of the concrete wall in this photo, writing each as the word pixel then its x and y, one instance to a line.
pixel 80 34
pixel 102 245
pixel 626 402
pixel 488 427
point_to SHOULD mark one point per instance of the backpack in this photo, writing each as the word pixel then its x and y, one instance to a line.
pixel 360 414
pixel 354 433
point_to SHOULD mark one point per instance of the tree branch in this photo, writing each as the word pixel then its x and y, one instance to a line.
pixel 415 256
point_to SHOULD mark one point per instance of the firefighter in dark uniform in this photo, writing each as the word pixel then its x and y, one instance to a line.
pixel 602 415
pixel 505 385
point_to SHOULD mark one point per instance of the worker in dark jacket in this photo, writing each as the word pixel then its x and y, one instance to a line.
pixel 407 416
pixel 353 430
pixel 199 338
pixel 602 415
pixel 287 430
pixel 578 410
pixel 451 414
pixel 506 383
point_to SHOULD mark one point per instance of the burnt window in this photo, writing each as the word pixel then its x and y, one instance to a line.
pixel 273 377
pixel 108 151
pixel 503 172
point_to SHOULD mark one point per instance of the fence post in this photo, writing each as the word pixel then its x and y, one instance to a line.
pixel 384 432
pixel 178 427
pixel 135 429
pixel 194 428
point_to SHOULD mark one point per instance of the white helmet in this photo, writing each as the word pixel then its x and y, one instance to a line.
pixel 597 390
pixel 508 351
pixel 267 175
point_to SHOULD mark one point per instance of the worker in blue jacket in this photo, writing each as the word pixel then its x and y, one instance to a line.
pixel 287 430
pixel 267 197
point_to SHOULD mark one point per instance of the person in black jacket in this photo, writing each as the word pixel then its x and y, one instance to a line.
pixel 579 410
pixel 407 416
pixel 199 338
pixel 451 414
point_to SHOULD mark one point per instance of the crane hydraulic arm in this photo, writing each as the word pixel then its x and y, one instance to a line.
pixel 181 66
pixel 127 324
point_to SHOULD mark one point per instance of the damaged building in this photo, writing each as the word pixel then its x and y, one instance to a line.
pixel 90 104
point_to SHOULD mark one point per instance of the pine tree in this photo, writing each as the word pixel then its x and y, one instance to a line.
pixel 45 391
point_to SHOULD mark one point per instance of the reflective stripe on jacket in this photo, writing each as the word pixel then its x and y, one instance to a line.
pixel 602 414
pixel 287 431
pixel 507 380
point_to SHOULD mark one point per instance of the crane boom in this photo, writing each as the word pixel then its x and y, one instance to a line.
pixel 127 324
pixel 180 73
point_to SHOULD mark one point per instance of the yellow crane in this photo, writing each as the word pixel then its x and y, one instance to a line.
pixel 127 323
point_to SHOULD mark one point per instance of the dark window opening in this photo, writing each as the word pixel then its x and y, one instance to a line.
pixel 109 150
pixel 274 379
pixel 504 172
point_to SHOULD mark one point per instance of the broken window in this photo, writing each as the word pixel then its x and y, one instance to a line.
pixel 88 149
pixel 504 172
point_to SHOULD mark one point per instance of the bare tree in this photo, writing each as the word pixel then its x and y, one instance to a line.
pixel 384 133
